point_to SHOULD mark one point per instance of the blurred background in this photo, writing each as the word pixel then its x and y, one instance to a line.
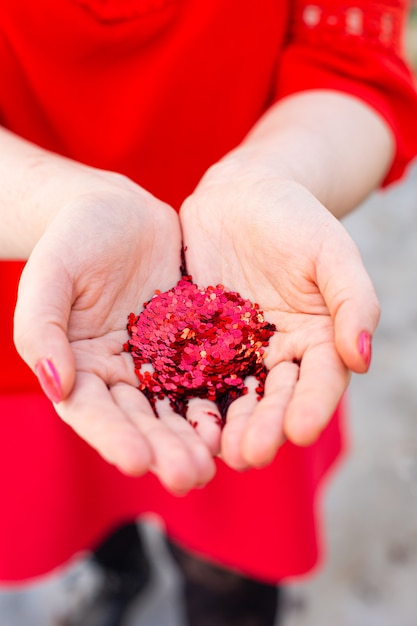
pixel 370 508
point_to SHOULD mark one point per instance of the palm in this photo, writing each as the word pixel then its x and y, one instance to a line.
pixel 85 276
pixel 251 242
pixel 98 317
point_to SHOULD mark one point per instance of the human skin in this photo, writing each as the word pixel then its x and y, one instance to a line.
pixel 98 245
pixel 261 222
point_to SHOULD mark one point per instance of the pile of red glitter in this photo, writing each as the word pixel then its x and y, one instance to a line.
pixel 200 342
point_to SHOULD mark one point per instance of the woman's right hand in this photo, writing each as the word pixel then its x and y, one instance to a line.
pixel 104 254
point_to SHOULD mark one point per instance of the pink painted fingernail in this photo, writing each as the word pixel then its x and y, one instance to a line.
pixel 365 347
pixel 49 380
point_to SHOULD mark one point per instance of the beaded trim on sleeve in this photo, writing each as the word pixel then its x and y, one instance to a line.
pixel 365 21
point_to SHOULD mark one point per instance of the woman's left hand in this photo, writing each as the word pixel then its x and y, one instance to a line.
pixel 273 242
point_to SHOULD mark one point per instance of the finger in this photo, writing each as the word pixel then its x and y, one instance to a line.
pixel 236 420
pixel 205 418
pixel 193 465
pixel 322 382
pixel 172 461
pixel 40 326
pixel 264 433
pixel 93 414
pixel 351 300
pixel 182 459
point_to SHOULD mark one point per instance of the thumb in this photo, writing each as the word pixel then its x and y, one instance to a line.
pixel 40 325
pixel 351 300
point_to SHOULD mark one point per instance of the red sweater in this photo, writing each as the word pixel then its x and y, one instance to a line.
pixel 159 90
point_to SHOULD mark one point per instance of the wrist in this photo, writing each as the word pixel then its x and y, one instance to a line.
pixel 39 185
pixel 248 164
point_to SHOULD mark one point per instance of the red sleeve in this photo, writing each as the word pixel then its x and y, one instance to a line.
pixel 356 49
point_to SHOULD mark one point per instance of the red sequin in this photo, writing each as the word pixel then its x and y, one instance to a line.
pixel 201 342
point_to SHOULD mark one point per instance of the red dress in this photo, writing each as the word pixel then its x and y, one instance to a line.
pixel 159 90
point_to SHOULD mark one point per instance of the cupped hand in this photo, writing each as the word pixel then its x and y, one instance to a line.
pixel 276 244
pixel 102 257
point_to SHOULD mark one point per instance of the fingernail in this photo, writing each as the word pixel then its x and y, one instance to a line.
pixel 49 380
pixel 365 347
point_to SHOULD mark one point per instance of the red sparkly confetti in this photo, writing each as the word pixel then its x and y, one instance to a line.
pixel 200 342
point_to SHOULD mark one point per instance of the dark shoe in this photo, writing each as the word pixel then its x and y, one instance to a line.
pixel 122 571
pixel 218 597
pixel 111 601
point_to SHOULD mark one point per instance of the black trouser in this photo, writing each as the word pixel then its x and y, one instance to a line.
pixel 213 596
